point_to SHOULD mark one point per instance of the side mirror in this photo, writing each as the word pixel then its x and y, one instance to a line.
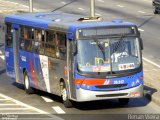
pixel 141 43
pixel 74 47
pixel 139 33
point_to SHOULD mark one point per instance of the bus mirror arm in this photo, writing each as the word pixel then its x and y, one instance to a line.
pixel 141 43
pixel 74 48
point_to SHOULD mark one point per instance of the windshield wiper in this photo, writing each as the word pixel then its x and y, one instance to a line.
pixel 100 47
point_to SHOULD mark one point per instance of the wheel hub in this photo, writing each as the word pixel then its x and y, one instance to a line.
pixel 26 82
pixel 64 94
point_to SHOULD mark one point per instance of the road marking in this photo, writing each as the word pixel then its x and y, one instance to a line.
pixel 58 110
pixel 149 61
pixel 141 12
pixel 147 0
pixel 23 104
pixel 141 30
pixel 81 9
pixel 3 99
pixel 7 104
pixel 98 14
pixel 100 1
pixel 14 108
pixel 47 99
pixel 6 10
pixel 2 57
pixel 19 5
pixel 121 6
pixel 63 2
pixel 25 6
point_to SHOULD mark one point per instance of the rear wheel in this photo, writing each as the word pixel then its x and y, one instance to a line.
pixel 124 101
pixel 27 86
pixel 67 102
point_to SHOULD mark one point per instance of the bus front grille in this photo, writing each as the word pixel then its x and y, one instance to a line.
pixel 111 86
pixel 112 95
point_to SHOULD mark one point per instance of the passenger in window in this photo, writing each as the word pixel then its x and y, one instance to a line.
pixel 37 41
pixel 39 36
pixel 25 35
pixel 57 47
pixel 61 46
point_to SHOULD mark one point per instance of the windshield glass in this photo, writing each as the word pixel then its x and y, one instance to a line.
pixel 110 54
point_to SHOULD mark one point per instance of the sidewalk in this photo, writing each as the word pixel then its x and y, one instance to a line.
pixel 151 72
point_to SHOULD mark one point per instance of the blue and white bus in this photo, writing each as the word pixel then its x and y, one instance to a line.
pixel 77 59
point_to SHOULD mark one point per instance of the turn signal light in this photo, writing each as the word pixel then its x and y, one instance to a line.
pixel 135 94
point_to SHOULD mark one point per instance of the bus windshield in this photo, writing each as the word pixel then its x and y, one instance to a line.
pixel 108 55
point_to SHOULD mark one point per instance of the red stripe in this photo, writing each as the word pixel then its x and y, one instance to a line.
pixel 32 74
pixel 90 81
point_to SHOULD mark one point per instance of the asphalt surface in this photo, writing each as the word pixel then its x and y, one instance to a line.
pixel 137 11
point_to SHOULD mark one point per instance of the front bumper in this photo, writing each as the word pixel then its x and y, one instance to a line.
pixel 87 95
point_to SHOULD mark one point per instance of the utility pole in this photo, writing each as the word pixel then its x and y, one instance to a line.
pixel 92 8
pixel 30 5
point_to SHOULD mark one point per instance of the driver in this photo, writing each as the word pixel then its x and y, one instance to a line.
pixel 119 52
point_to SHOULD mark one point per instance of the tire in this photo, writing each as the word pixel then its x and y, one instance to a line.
pixel 155 11
pixel 67 102
pixel 124 101
pixel 27 86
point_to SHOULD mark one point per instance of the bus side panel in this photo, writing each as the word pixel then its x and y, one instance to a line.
pixel 41 72
pixel 9 59
pixel 37 69
pixel 26 62
pixel 30 67
pixel 56 72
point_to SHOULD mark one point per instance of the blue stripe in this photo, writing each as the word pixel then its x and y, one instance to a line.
pixel 27 21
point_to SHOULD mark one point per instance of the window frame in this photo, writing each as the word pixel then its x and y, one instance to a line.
pixel 8 36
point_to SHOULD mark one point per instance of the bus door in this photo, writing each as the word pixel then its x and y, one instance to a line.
pixel 15 29
pixel 9 50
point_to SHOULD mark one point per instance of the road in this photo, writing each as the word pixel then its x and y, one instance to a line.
pixel 137 11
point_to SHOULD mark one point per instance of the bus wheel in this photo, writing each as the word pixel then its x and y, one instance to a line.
pixel 155 11
pixel 124 101
pixel 67 103
pixel 27 86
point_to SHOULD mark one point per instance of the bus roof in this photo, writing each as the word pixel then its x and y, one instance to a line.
pixel 59 20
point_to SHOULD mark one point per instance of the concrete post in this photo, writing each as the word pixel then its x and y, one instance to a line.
pixel 92 8
pixel 30 5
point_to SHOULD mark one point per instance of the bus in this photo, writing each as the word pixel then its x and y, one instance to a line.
pixel 79 59
pixel 156 6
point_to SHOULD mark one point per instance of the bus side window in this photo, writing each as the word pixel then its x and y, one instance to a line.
pixel 8 35
pixel 39 41
pixel 29 39
pixel 61 45
pixel 50 44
